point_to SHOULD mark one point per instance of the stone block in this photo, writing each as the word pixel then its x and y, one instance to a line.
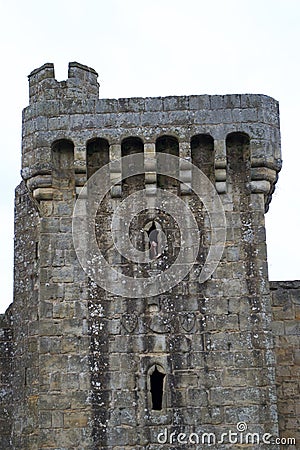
pixel 55 401
pixel 233 396
pixel 175 103
pixel 77 419
pixel 283 313
pixel 292 327
pixel 297 356
pixel 153 104
pixel 236 414
pixel 63 274
pixel 232 254
pixel 126 105
pixel 45 419
pixel 50 327
pixel 197 397
pixel 50 345
pixel 57 419
pixel 106 106
pixel 199 102
pixel 186 379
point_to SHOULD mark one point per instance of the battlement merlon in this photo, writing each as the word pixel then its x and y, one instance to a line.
pixel 81 83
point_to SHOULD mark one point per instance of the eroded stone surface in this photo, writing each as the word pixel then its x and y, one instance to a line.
pixel 77 361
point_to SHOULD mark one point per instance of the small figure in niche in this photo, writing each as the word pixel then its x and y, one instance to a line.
pixel 153 239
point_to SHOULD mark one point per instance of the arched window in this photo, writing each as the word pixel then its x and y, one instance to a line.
pixel 156 380
pixel 156 239
pixel 132 146
pixel 169 145
pixel 63 164
pixel 97 155
pixel 203 155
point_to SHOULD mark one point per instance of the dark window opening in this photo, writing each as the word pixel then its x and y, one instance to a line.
pixel 156 388
pixel 238 162
pixel 153 240
pixel 170 146
pixel 156 241
pixel 238 154
pixel 132 183
pixel 97 155
pixel 63 176
pixel 203 154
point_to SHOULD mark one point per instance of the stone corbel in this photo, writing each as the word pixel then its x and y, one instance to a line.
pixel 80 167
pixel 185 171
pixel 43 194
pixel 220 166
pixel 150 168
pixel 115 170
pixel 262 180
pixel 41 187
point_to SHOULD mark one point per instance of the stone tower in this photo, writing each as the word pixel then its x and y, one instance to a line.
pixel 95 370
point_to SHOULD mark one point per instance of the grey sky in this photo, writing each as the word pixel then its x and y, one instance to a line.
pixel 151 48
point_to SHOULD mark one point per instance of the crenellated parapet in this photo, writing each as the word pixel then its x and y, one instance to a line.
pixel 70 110
pixel 81 83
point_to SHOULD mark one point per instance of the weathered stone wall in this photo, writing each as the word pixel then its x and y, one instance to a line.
pixel 64 381
pixel 212 341
pixel 25 316
pixel 84 357
pixel 286 330
pixel 6 349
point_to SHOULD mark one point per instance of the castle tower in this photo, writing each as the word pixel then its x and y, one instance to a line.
pixel 96 370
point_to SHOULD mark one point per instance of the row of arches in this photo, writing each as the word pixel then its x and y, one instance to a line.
pixel 202 151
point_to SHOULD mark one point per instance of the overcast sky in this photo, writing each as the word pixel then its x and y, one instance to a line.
pixel 158 48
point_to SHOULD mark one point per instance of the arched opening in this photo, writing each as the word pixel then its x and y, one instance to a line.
pixel 169 145
pixel 132 146
pixel 157 377
pixel 97 155
pixel 238 160
pixel 203 155
pixel 156 239
pixel 63 164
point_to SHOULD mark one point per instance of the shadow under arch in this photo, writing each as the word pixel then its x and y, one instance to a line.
pixel 203 154
pixel 97 155
pixel 169 145
pixel 130 146
pixel 238 160
pixel 62 154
